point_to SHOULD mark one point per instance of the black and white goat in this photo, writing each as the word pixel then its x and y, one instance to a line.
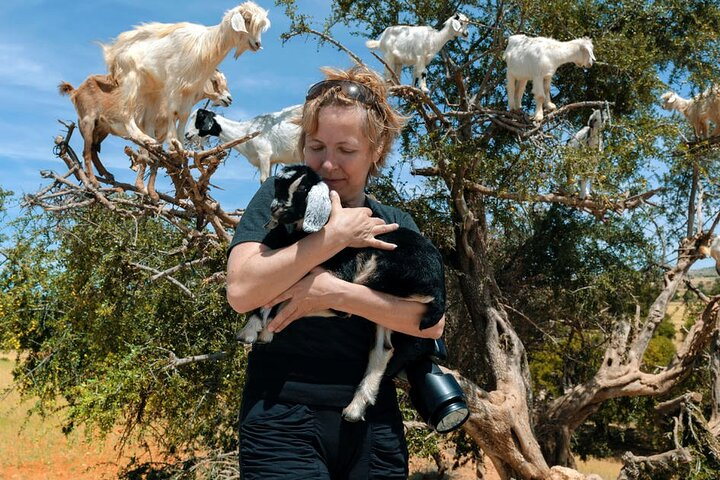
pixel 277 142
pixel 414 270
pixel 590 137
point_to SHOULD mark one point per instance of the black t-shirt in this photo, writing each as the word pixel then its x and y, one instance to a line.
pixel 314 360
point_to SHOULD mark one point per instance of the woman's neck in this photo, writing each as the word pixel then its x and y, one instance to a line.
pixel 357 201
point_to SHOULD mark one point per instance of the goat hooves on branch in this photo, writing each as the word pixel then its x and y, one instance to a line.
pixel 176 146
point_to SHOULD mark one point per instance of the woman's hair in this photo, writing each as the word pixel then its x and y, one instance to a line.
pixel 383 123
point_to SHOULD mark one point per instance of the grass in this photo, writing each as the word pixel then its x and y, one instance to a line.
pixel 607 468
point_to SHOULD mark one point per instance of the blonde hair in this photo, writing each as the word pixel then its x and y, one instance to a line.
pixel 383 123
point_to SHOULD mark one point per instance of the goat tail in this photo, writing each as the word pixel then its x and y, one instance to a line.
pixel 372 44
pixel 65 88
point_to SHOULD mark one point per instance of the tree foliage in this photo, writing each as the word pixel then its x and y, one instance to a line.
pixel 97 331
pixel 546 291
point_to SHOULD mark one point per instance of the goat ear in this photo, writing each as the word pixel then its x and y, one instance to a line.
pixel 455 24
pixel 318 208
pixel 238 23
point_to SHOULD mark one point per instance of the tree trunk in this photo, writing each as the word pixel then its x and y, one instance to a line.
pixel 714 422
pixel 620 374
pixel 655 466
pixel 500 421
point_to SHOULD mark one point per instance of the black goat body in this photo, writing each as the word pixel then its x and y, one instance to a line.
pixel 413 270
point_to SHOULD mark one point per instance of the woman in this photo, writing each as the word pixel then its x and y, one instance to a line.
pixel 297 385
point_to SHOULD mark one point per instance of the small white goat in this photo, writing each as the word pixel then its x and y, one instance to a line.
pixel 101 112
pixel 537 59
pixel 159 66
pixel 590 136
pixel 277 142
pixel 699 110
pixel 416 46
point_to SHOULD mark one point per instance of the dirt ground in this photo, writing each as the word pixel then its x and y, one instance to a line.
pixel 424 469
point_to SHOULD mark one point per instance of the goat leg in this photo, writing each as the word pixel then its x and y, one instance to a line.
pixel 548 102
pixel 367 391
pixel 255 329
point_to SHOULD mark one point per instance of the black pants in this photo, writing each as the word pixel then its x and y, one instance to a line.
pixel 286 441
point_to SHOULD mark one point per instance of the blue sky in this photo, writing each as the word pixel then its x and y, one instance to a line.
pixel 44 42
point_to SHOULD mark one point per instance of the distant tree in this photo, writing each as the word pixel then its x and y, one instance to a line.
pixel 556 303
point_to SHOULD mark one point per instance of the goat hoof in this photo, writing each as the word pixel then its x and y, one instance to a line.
pixel 246 338
pixel 247 335
pixel 176 146
pixel 265 336
pixel 352 418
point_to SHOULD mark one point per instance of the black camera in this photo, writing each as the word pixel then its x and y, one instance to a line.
pixel 436 396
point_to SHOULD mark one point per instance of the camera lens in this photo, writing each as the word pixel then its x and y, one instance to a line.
pixel 437 396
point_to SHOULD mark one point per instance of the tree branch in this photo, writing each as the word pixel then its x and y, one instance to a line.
pixel 596 207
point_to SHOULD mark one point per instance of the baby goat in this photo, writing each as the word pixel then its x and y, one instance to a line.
pixel 590 136
pixel 414 270
pixel 277 142
pixel 416 46
pixel 699 110
pixel 537 59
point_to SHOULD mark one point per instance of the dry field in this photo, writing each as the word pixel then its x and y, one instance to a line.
pixel 423 469
pixel 676 308
pixel 36 449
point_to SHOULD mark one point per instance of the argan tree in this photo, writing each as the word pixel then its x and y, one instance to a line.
pixel 558 302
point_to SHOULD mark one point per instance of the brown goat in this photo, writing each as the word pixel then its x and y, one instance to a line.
pixel 699 110
pixel 101 112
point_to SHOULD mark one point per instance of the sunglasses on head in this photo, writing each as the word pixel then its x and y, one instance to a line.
pixel 353 90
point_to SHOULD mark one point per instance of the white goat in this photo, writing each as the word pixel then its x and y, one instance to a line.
pixel 537 59
pixel 699 110
pixel 713 251
pixel 416 46
pixel 277 142
pixel 590 136
pixel 159 66
pixel 101 112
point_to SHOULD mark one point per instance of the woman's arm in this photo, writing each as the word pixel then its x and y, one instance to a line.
pixel 256 274
pixel 321 290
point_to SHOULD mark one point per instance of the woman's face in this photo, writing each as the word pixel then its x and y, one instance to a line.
pixel 340 152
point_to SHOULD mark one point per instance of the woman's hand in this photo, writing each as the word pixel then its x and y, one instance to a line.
pixel 313 293
pixel 357 227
